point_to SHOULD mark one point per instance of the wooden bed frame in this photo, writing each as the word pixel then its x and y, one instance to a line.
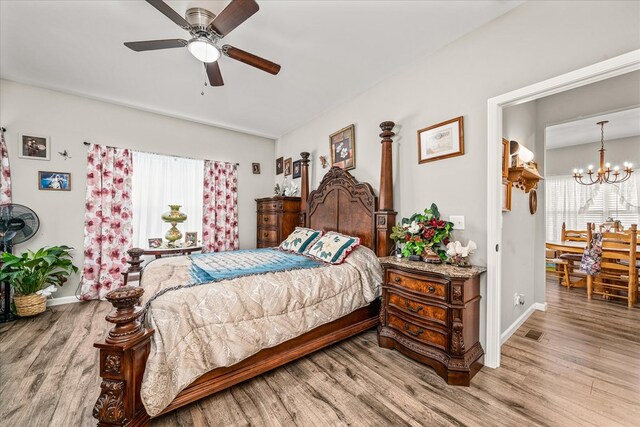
pixel 339 203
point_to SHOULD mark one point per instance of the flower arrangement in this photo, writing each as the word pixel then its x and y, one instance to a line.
pixel 423 232
pixel 458 254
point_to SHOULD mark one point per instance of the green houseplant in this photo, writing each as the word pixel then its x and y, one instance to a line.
pixel 31 272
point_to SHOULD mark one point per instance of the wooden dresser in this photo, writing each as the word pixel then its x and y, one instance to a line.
pixel 277 218
pixel 431 313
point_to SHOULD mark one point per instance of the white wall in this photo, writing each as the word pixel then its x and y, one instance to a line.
pixel 533 42
pixel 69 120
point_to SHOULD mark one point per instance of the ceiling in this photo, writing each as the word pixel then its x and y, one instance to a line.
pixel 330 51
pixel 622 124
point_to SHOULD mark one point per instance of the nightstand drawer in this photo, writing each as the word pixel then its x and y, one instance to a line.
pixel 265 234
pixel 428 288
pixel 429 312
pixel 267 219
pixel 269 205
pixel 267 244
pixel 418 332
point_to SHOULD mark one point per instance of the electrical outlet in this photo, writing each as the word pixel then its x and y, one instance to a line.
pixel 518 299
pixel 458 221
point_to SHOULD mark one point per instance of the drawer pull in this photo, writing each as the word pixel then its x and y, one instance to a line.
pixel 397 280
pixel 432 289
pixel 265 234
pixel 265 219
pixel 416 333
pixel 414 310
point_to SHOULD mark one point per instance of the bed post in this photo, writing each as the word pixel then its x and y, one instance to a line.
pixel 386 216
pixel 304 188
pixel 123 356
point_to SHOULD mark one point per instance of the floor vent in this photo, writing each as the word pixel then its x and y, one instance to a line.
pixel 534 335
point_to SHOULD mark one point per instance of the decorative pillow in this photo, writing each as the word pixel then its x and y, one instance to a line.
pixel 300 239
pixel 333 247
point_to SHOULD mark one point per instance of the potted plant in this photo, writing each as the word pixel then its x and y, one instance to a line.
pixel 422 234
pixel 30 273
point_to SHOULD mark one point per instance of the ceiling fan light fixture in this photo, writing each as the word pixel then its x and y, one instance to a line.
pixel 203 49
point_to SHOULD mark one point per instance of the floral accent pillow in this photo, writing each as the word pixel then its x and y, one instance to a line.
pixel 333 247
pixel 300 239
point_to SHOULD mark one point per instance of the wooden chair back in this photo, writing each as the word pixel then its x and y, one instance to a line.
pixel 574 235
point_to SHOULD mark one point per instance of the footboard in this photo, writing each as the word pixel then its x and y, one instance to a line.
pixel 123 356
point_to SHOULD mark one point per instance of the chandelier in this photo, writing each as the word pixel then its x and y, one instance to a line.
pixel 604 174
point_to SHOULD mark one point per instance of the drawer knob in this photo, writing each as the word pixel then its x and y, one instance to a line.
pixel 414 310
pixel 432 289
pixel 265 234
pixel 265 219
pixel 397 280
pixel 416 333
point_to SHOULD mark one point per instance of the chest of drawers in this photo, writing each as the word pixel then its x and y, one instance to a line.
pixel 431 313
pixel 277 218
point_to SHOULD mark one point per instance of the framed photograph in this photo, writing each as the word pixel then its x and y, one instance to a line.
pixel 55 181
pixel 34 147
pixel 155 242
pixel 506 196
pixel 279 167
pixel 441 141
pixel 505 158
pixel 191 238
pixel 287 167
pixel 297 169
pixel 255 167
pixel 342 145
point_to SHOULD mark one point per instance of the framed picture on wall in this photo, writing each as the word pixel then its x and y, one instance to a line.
pixel 505 158
pixel 441 141
pixel 342 145
pixel 297 169
pixel 506 195
pixel 54 181
pixel 34 147
pixel 255 167
pixel 279 167
pixel 287 167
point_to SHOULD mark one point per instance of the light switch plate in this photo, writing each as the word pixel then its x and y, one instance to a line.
pixel 458 221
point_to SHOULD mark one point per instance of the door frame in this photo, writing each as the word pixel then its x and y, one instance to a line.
pixel 609 68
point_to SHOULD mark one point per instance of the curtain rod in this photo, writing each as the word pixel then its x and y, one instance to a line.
pixel 3 130
pixel 161 154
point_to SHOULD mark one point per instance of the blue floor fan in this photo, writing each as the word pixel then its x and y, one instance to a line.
pixel 18 224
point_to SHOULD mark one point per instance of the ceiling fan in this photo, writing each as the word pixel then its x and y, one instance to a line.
pixel 206 31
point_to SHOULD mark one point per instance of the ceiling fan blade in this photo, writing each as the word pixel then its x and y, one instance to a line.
pixel 213 71
pixel 155 44
pixel 251 59
pixel 170 13
pixel 233 15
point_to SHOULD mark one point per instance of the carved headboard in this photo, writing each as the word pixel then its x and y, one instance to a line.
pixel 342 204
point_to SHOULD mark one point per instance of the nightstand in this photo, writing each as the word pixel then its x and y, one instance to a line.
pixel 431 313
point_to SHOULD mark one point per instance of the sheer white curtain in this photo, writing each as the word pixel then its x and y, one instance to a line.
pixel 576 204
pixel 159 181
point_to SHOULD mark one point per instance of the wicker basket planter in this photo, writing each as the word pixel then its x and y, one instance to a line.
pixel 30 305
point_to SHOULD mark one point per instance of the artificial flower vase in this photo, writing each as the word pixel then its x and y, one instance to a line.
pixel 174 217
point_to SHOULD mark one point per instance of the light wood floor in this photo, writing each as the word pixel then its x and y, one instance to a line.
pixel 583 372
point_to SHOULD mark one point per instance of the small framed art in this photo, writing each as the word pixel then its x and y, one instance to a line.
pixel 155 243
pixel 191 238
pixel 505 158
pixel 287 167
pixel 441 141
pixel 34 147
pixel 255 167
pixel 506 196
pixel 54 181
pixel 279 168
pixel 342 145
pixel 297 169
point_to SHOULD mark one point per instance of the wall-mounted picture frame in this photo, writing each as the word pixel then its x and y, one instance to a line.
pixel 441 141
pixel 279 165
pixel 506 195
pixel 297 169
pixel 287 167
pixel 505 158
pixel 255 168
pixel 191 238
pixel 34 147
pixel 155 242
pixel 54 181
pixel 342 145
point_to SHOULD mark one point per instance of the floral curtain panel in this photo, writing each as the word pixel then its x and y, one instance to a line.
pixel 220 215
pixel 5 174
pixel 107 230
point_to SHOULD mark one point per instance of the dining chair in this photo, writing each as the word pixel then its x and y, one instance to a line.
pixel 558 268
pixel 618 276
pixel 572 258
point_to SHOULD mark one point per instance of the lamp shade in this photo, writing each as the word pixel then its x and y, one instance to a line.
pixel 524 154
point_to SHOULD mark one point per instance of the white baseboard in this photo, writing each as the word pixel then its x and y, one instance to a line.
pixel 62 300
pixel 520 320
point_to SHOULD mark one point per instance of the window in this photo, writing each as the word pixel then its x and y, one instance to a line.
pixel 159 181
pixel 576 205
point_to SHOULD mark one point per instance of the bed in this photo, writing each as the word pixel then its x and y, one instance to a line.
pixel 197 340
